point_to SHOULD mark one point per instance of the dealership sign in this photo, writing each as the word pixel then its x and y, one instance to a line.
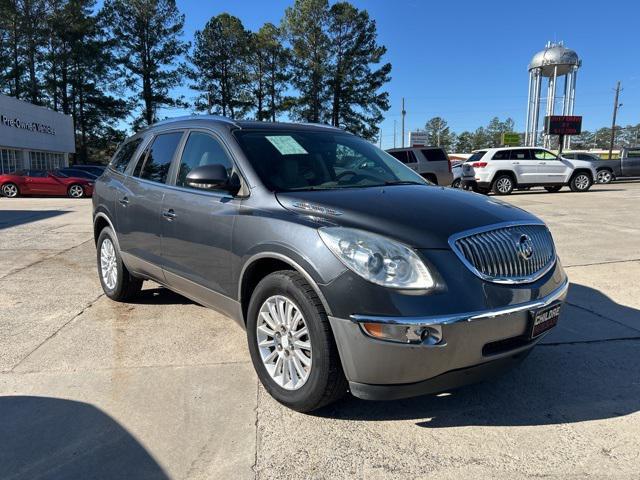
pixel 562 125
pixel 30 126
pixel 511 139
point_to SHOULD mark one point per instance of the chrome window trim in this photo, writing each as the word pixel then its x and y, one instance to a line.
pixel 467 316
pixel 496 226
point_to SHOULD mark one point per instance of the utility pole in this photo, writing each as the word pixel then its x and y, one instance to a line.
pixel 404 112
pixel 616 105
pixel 394 134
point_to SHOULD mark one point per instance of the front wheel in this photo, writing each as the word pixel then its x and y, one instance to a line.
pixel 580 182
pixel 604 176
pixel 503 185
pixel 291 344
pixel 118 284
pixel 10 190
pixel 75 191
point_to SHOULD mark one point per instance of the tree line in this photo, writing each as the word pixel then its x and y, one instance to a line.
pixel 321 63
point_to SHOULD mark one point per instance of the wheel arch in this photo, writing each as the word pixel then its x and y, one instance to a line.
pixel 259 265
pixel 101 220
pixel 505 172
pixel 578 171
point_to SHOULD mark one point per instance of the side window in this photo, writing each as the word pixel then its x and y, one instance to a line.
pixel 520 154
pixel 123 155
pixel 435 155
pixel 543 155
pixel 411 157
pixel 501 155
pixel 156 166
pixel 201 149
pixel 401 155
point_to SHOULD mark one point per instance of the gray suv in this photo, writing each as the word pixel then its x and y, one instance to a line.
pixel 432 163
pixel 302 235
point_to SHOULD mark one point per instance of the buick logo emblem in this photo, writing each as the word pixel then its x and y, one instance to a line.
pixel 524 247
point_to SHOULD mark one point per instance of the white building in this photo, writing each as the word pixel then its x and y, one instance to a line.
pixel 33 137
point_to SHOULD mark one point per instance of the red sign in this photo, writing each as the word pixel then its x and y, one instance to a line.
pixel 562 125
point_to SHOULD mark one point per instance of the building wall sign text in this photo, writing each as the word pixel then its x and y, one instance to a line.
pixel 30 126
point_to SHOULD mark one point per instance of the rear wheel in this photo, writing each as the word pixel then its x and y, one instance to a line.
pixel 604 176
pixel 10 190
pixel 291 344
pixel 553 189
pixel 118 284
pixel 503 185
pixel 455 183
pixel 580 182
pixel 75 191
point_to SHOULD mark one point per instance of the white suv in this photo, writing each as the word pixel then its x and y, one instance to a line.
pixel 502 170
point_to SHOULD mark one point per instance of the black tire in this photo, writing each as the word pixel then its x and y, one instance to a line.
pixel 456 183
pixel 604 176
pixel 126 285
pixel 554 189
pixel 10 190
pixel 503 185
pixel 326 382
pixel 580 182
pixel 75 190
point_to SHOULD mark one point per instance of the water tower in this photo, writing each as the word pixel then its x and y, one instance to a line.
pixel 553 63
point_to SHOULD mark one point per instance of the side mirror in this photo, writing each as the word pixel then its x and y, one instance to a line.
pixel 209 177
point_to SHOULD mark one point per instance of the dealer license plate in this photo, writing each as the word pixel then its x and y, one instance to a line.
pixel 544 319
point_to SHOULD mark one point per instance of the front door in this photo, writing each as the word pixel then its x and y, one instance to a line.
pixel 40 182
pixel 630 163
pixel 551 169
pixel 524 165
pixel 197 226
pixel 139 205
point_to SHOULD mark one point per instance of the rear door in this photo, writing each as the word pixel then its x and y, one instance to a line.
pixel 197 225
pixel 407 157
pixel 524 165
pixel 631 162
pixel 140 203
pixel 551 168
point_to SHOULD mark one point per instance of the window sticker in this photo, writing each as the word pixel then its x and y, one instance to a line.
pixel 286 145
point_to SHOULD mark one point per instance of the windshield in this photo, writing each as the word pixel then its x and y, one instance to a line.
pixel 311 160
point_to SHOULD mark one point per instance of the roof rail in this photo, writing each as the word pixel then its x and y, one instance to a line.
pixel 219 118
pixel 324 125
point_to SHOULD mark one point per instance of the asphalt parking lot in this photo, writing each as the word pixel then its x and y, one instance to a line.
pixel 165 388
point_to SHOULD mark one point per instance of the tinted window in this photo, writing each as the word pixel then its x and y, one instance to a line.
pixel 435 155
pixel 587 157
pixel 158 161
pixel 543 155
pixel 402 156
pixel 633 153
pixel 201 149
pixel 476 156
pixel 37 173
pixel 501 155
pixel 123 155
pixel 521 154
pixel 312 160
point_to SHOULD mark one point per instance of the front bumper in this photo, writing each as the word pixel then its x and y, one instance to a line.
pixel 474 345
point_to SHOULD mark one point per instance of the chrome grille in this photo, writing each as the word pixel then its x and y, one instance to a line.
pixel 513 253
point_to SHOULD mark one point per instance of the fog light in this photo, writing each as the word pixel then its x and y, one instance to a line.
pixel 430 335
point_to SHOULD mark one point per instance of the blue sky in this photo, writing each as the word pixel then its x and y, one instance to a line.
pixel 467 60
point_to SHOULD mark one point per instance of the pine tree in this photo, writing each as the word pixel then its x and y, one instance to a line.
pixel 354 86
pixel 220 57
pixel 438 133
pixel 149 48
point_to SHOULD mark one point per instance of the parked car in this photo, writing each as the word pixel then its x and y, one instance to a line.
pixel 456 171
pixel 430 162
pixel 628 165
pixel 347 275
pixel 40 182
pixel 502 170
pixel 72 172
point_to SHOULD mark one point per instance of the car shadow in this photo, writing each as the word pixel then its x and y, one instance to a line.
pixel 596 188
pixel 42 437
pixel 160 296
pixel 13 218
pixel 568 381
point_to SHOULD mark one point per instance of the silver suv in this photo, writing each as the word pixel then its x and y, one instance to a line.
pixel 430 162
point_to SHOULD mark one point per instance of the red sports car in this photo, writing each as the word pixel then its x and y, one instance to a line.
pixel 39 182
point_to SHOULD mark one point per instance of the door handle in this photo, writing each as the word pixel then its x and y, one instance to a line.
pixel 542 163
pixel 515 163
pixel 124 201
pixel 169 214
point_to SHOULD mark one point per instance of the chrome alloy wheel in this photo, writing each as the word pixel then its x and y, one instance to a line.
pixel 504 185
pixel 604 176
pixel 10 190
pixel 76 191
pixel 284 342
pixel 108 264
pixel 582 182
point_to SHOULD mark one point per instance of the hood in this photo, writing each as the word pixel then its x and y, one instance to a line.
pixel 419 216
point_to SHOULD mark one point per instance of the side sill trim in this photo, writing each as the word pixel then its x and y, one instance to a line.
pixel 468 316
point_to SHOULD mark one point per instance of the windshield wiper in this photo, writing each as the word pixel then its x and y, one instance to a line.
pixel 402 182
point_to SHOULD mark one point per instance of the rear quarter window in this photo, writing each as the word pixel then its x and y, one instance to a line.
pixel 124 154
pixel 476 156
pixel 435 155
pixel 501 155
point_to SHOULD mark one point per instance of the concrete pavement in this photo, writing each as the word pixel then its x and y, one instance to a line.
pixel 164 388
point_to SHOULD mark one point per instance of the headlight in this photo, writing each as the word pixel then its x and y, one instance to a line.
pixel 377 259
